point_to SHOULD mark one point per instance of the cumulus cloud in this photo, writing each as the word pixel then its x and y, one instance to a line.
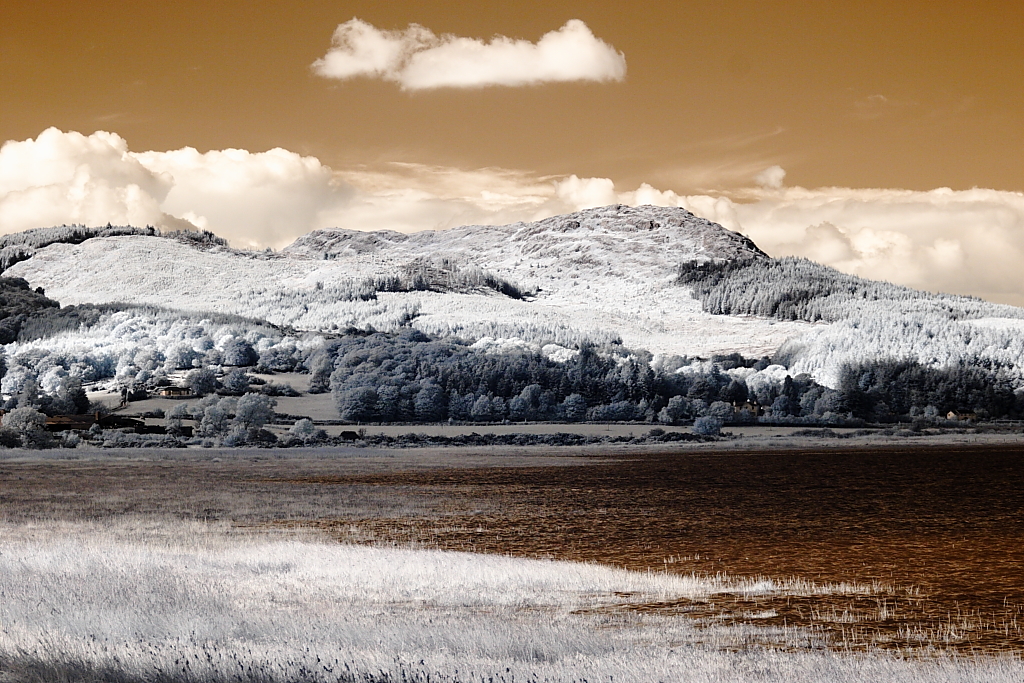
pixel 417 59
pixel 969 241
pixel 586 193
pixel 70 178
pixel 771 177
pixel 253 198
pixel 264 198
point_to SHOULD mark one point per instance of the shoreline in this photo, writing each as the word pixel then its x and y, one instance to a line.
pixel 813 510
pixel 780 443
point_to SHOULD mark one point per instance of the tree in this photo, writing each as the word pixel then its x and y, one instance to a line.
pixel 235 382
pixel 707 426
pixel 29 394
pixel 703 390
pixel 674 411
pixel 173 417
pixel 430 403
pixel 320 373
pixel 735 393
pixel 357 405
pixel 782 406
pixel 388 399
pixel 29 426
pixel 181 356
pixel 574 407
pixel 70 398
pixel 306 431
pixel 239 352
pixel 498 408
pixel 252 412
pixel 214 421
pixel 831 401
pixel 482 409
pixel 201 381
pixel 278 359
pixel 722 410
pixel 619 411
pixel 518 409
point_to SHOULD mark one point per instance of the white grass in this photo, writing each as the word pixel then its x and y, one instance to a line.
pixel 204 604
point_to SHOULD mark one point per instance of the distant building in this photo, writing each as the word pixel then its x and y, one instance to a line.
pixel 176 392
pixel 752 407
pixel 62 423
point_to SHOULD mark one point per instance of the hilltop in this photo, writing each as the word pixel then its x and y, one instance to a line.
pixel 653 279
pixel 599 275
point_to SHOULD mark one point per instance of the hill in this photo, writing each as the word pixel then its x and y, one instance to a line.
pixel 657 279
pixel 597 276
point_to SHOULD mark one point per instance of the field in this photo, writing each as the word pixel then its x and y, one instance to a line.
pixel 352 564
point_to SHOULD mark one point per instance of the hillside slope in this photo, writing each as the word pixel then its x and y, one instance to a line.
pixel 658 279
pixel 598 275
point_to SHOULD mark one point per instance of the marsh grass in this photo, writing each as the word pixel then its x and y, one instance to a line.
pixel 145 599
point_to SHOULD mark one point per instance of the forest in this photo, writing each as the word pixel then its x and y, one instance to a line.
pixel 411 377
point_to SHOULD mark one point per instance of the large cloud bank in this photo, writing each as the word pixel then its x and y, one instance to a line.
pixel 968 241
pixel 254 198
pixel 417 59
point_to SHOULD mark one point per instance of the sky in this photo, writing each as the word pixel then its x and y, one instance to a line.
pixel 885 139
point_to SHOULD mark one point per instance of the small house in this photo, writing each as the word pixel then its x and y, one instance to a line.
pixel 176 392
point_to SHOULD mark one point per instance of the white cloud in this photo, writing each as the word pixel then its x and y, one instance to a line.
pixel 968 241
pixel 586 193
pixel 417 59
pixel 771 177
pixel 252 198
pixel 70 178
pixel 265 198
pixel 360 49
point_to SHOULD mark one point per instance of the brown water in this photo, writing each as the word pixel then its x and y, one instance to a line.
pixel 940 531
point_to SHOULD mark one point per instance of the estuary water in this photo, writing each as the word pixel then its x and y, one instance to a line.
pixel 937 533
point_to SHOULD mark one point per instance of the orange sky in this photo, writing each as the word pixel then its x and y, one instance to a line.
pixel 912 95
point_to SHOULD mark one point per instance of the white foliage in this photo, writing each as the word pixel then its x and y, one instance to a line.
pixel 600 275
pixel 603 275
pixel 124 344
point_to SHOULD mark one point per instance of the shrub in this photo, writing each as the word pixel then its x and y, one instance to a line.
pixel 29 425
pixel 707 426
